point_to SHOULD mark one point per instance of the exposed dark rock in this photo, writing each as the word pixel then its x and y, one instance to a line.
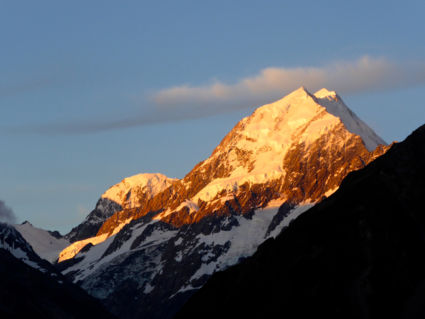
pixel 86 248
pixel 55 234
pixel 105 208
pixel 68 263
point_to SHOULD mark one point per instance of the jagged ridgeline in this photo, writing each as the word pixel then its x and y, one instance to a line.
pixel 158 239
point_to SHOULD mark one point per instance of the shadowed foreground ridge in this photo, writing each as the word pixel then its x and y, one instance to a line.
pixel 358 254
pixel 32 288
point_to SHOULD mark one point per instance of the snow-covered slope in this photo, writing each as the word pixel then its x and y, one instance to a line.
pixel 265 147
pixel 42 241
pixel 334 105
pixel 161 265
pixel 253 151
pixel 131 192
pixel 135 189
pixel 271 166
pixel 12 241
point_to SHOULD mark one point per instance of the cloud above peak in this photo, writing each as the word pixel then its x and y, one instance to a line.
pixel 183 102
pixel 366 74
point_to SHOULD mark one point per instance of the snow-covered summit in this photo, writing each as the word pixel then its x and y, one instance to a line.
pixel 301 106
pixel 126 191
pixel 336 106
pixel 253 151
pixel 131 192
pixel 325 93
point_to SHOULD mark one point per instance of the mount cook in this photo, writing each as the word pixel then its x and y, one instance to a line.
pixel 152 241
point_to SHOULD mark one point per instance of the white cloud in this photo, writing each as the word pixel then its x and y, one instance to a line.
pixel 346 77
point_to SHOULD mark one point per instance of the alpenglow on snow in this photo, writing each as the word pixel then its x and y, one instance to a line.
pixel 161 238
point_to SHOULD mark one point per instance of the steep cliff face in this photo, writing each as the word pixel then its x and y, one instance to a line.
pixel 271 167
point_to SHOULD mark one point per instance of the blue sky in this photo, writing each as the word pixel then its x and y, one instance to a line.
pixel 94 91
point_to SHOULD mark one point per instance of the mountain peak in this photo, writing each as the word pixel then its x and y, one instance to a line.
pixel 325 93
pixel 150 183
pixel 294 152
pixel 300 93
pixel 300 107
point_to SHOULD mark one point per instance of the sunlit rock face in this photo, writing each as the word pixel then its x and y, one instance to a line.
pixel 159 248
pixel 129 193
pixel 296 148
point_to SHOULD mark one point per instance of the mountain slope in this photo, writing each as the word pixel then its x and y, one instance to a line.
pixel 272 166
pixel 357 254
pixel 46 244
pixel 13 242
pixel 32 287
pixel 263 148
pixel 131 192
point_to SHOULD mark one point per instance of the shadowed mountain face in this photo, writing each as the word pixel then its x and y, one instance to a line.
pixel 32 288
pixel 358 254
pixel 28 293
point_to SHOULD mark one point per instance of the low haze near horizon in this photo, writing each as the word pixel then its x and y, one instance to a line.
pixel 92 92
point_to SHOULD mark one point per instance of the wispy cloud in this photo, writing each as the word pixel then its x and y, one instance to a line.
pixel 6 213
pixel 347 77
pixel 182 102
pixel 25 86
pixel 151 115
